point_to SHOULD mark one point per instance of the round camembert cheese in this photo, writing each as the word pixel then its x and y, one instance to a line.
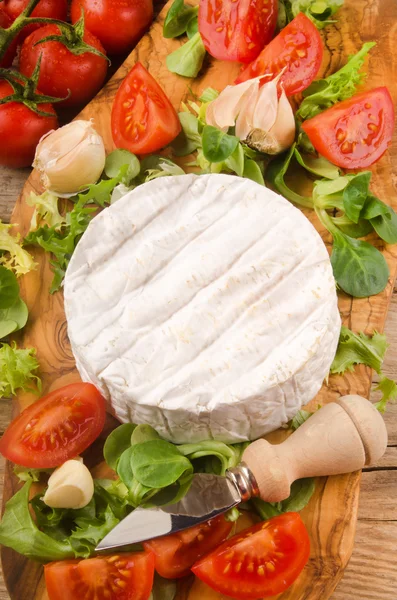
pixel 204 306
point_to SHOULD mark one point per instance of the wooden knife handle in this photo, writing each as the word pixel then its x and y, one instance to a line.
pixel 341 437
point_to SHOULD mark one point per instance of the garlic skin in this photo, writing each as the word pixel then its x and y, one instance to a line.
pixel 70 158
pixel 70 486
pixel 280 136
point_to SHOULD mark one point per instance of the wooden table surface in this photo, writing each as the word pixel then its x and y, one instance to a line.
pixel 372 571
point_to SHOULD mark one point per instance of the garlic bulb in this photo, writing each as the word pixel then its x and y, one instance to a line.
pixel 70 486
pixel 70 158
pixel 262 120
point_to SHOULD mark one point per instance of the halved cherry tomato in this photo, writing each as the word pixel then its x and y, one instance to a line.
pixel 120 577
pixel 175 554
pixel 355 133
pixel 261 561
pixel 56 428
pixel 143 119
pixel 299 48
pixel 237 29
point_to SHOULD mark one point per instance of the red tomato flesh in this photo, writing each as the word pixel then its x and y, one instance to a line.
pixel 175 554
pixel 299 48
pixel 237 29
pixel 56 428
pixel 143 119
pixel 49 9
pixel 118 24
pixel 120 577
pixel 258 562
pixel 21 130
pixel 83 75
pixel 354 133
pixel 5 22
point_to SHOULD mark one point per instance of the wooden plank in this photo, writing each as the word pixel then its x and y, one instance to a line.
pixel 11 183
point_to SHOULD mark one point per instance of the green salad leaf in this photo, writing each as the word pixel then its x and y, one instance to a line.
pixel 301 417
pixel 116 162
pixel 188 59
pixel 14 318
pixel 116 443
pixel 324 93
pixel 276 173
pixel 9 288
pixel 163 589
pixel 217 145
pixel 319 166
pixel 158 463
pixel 301 492
pixel 318 11
pixel 388 387
pixel 178 19
pixel 359 348
pixel 45 210
pixel 18 370
pixel 12 255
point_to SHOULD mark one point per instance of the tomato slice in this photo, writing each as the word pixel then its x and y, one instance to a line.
pixel 354 133
pixel 175 554
pixel 261 561
pixel 299 48
pixel 143 119
pixel 237 29
pixel 120 577
pixel 56 428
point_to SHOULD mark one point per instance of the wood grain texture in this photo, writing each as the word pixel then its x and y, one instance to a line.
pixel 332 514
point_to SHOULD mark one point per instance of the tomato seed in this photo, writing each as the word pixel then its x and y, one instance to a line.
pixel 372 127
pixel 261 570
pixel 301 53
pixel 226 569
pixel 250 568
pixel 113 559
pixel 237 568
pixel 270 567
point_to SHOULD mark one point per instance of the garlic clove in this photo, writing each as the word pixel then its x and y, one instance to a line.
pixel 70 486
pixel 265 113
pixel 245 119
pixel 70 158
pixel 281 136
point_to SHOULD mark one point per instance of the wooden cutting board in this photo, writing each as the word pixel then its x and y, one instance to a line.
pixel 332 513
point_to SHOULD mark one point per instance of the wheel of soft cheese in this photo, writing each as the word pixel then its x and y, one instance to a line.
pixel 204 306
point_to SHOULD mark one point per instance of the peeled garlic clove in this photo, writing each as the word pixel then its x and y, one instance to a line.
pixel 70 158
pixel 245 119
pixel 281 136
pixel 70 486
pixel 223 111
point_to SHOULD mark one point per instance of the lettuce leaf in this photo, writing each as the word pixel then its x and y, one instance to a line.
pixel 45 210
pixel 18 370
pixel 324 93
pixel 354 349
pixel 388 387
pixel 12 255
pixel 320 12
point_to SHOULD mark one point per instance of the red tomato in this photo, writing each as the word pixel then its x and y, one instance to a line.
pixel 143 119
pixel 5 22
pixel 56 428
pixel 261 561
pixel 21 130
pixel 175 554
pixel 122 577
pixel 49 9
pixel 237 29
pixel 118 24
pixel 82 74
pixel 299 48
pixel 355 133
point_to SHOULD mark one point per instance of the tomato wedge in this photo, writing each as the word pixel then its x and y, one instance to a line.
pixel 143 119
pixel 261 561
pixel 122 577
pixel 56 428
pixel 175 554
pixel 354 133
pixel 237 29
pixel 299 48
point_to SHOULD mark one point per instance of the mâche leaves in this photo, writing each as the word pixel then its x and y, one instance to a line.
pixel 188 59
pixel 116 443
pixel 158 463
pixel 217 145
pixel 178 18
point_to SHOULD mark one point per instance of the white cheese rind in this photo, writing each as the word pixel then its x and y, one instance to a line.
pixel 203 305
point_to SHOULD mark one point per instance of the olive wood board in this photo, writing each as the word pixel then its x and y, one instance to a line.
pixel 332 512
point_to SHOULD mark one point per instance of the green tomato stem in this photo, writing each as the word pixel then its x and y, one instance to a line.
pixel 8 35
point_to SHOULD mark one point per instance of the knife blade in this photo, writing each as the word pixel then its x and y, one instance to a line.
pixel 208 496
pixel 341 437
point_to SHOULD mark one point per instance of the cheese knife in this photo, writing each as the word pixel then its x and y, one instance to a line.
pixel 341 437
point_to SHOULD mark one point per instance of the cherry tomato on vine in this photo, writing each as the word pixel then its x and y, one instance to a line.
pixel 21 129
pixel 237 29
pixel 299 48
pixel 49 9
pixel 81 74
pixel 354 133
pixel 118 24
pixel 5 22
